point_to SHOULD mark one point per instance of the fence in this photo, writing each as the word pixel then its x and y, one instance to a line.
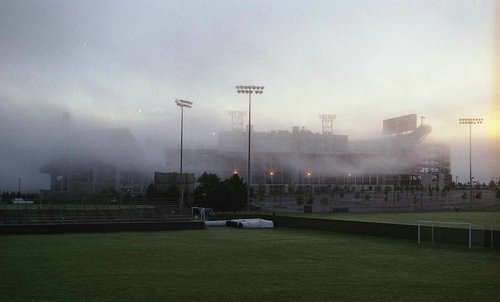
pixel 97 212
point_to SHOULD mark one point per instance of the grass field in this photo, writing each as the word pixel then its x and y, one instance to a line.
pixel 224 264
pixel 483 218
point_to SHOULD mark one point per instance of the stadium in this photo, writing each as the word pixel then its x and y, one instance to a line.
pixel 286 161
pixel 378 219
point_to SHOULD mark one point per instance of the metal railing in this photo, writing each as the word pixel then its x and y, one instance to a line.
pixel 88 220
pixel 78 215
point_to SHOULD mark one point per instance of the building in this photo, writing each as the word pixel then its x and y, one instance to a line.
pixel 97 161
pixel 281 156
pixel 289 159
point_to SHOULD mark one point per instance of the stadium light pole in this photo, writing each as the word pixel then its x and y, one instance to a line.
pixel 249 90
pixel 183 104
pixel 309 181
pixel 470 122
pixel 271 173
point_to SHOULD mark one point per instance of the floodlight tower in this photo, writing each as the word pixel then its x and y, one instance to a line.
pixel 237 120
pixel 249 90
pixel 470 122
pixel 327 123
pixel 183 104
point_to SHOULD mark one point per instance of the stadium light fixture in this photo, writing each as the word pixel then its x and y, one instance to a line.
pixel 470 122
pixel 249 90
pixel 183 104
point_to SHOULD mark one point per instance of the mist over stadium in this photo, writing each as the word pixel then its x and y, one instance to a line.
pixel 89 84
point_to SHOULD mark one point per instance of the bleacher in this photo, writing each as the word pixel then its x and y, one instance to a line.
pixel 78 215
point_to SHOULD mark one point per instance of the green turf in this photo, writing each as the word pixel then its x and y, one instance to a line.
pixel 224 264
pixel 482 218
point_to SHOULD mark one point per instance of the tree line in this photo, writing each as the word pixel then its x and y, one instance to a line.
pixel 211 192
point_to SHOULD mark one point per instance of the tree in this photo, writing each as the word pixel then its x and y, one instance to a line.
pixel 341 193
pixel 492 185
pixel 206 194
pixel 324 202
pixel 430 191
pixel 464 195
pixel 445 191
pixel 357 195
pixel 387 189
pixel 397 194
pixel 478 195
pixel 235 193
pixel 437 190
pixel 415 198
pixel 367 196
pixel 229 194
pixel 299 198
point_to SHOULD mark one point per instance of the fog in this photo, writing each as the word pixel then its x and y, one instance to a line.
pixel 34 136
pixel 72 71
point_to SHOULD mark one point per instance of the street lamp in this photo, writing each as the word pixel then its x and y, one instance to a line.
pixel 271 174
pixel 183 104
pixel 309 173
pixel 473 183
pixel 249 90
pixel 470 122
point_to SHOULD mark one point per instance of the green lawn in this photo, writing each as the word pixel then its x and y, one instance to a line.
pixel 224 264
pixel 482 218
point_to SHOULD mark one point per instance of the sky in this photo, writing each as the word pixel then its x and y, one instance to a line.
pixel 123 64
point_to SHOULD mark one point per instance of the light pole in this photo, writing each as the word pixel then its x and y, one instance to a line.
pixel 271 174
pixel 249 90
pixel 183 104
pixel 470 122
pixel 473 183
pixel 309 188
